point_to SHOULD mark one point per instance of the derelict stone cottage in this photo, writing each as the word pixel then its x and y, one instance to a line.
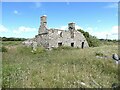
pixel 53 38
pixel 50 38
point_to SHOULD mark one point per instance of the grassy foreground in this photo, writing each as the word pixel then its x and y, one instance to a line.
pixel 65 68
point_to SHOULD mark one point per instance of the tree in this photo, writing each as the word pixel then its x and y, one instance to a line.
pixel 12 39
pixel 92 40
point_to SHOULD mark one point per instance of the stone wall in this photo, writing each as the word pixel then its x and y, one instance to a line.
pixel 42 40
pixel 55 37
pixel 50 38
pixel 64 37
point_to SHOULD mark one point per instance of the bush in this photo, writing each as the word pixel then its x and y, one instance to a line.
pixel 92 40
pixel 39 50
pixel 64 48
pixel 28 50
pixel 11 43
pixel 24 50
pixel 3 49
pixel 12 39
pixel 99 54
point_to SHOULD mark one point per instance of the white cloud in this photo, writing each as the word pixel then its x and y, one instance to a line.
pixel 100 34
pixel 38 4
pixel 114 30
pixel 113 5
pixel 89 29
pixel 109 34
pixel 23 29
pixel 78 27
pixel 16 12
pixel 3 29
pixel 68 3
pixel 103 34
pixel 64 28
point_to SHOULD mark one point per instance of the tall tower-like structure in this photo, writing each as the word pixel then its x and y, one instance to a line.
pixel 71 27
pixel 43 25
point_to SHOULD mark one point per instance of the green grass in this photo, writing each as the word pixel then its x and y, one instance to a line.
pixel 11 43
pixel 62 68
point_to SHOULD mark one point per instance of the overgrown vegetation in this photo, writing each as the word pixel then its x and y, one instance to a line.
pixel 99 54
pixel 39 50
pixel 95 42
pixel 92 40
pixel 12 39
pixel 60 68
pixel 64 48
pixel 11 43
pixel 3 49
pixel 108 42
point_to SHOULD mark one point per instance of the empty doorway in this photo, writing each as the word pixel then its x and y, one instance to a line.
pixel 82 45
pixel 72 44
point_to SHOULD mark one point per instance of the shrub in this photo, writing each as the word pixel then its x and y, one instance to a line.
pixel 99 54
pixel 66 47
pixel 92 40
pixel 39 50
pixel 3 49
pixel 24 49
pixel 12 39
pixel 63 48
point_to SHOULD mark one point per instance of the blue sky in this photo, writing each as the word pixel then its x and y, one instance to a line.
pixel 22 19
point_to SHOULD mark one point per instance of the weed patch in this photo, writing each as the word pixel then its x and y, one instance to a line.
pixel 39 50
pixel 64 67
pixel 3 49
pixel 99 54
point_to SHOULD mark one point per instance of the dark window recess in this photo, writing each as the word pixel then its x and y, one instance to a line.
pixel 72 44
pixel 82 45
pixel 59 44
pixel 61 34
pixel 47 44
pixel 70 27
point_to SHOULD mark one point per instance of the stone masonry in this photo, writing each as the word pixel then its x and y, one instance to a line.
pixel 53 38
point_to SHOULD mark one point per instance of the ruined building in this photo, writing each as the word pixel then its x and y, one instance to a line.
pixel 50 38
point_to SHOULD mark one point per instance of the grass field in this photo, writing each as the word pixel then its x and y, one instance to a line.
pixel 59 68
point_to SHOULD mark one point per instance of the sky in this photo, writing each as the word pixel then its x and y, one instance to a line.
pixel 22 19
